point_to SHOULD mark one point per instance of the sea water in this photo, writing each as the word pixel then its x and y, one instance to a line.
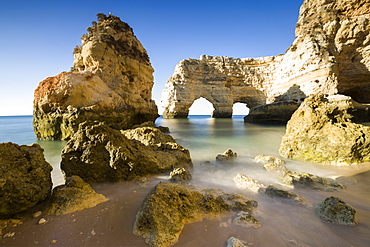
pixel 205 137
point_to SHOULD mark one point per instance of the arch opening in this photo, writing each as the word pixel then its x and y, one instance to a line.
pixel 201 106
pixel 240 109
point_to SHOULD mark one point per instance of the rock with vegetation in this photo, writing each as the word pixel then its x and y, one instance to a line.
pixel 74 195
pixel 307 180
pixel 168 207
pixel 111 80
pixel 321 130
pixel 265 159
pixel 25 178
pixel 228 156
pixel 335 210
pixel 99 153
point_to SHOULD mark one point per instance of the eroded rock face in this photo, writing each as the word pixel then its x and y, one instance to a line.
pixel 111 81
pixel 329 55
pixel 321 130
pixel 168 207
pixel 25 178
pixel 335 210
pixel 74 195
pixel 99 153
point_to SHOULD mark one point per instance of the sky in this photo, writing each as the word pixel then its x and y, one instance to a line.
pixel 37 37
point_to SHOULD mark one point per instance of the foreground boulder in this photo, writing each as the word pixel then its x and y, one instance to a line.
pixel 168 207
pixel 111 80
pixel 335 210
pixel 99 153
pixel 321 130
pixel 25 178
pixel 74 195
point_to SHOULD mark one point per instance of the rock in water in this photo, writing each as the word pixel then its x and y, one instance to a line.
pixel 168 207
pixel 321 130
pixel 335 210
pixel 74 195
pixel 247 220
pixel 99 153
pixel 25 178
pixel 111 81
pixel 273 192
pixel 235 242
pixel 227 156
pixel 264 159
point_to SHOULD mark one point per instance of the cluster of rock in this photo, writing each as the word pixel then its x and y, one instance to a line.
pixel 322 130
pixel 111 81
pixel 332 209
pixel 329 55
pixel 168 207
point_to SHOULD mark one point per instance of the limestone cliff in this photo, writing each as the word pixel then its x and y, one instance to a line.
pixel 111 81
pixel 330 54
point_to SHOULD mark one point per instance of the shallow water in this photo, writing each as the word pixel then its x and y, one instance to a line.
pixel 110 223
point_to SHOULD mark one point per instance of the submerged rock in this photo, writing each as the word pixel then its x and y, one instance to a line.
pixel 335 210
pixel 25 178
pixel 273 192
pixel 98 153
pixel 307 180
pixel 265 159
pixel 74 195
pixel 227 156
pixel 247 220
pixel 235 242
pixel 168 207
pixel 111 81
pixel 321 130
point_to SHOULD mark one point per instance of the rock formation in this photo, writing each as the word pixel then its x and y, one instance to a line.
pixel 321 130
pixel 111 80
pixel 330 55
pixel 25 178
pixel 74 195
pixel 99 153
pixel 227 157
pixel 335 210
pixel 168 207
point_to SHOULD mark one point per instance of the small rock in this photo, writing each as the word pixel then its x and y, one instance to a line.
pixel 93 232
pixel 235 242
pixel 335 210
pixel 37 214
pixel 9 235
pixel 273 192
pixel 245 219
pixel 42 221
pixel 273 167
pixel 53 241
pixel 264 159
pixel 244 182
pixel 180 175
pixel 227 156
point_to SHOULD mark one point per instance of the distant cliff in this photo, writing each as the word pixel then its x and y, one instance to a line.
pixel 111 81
pixel 330 55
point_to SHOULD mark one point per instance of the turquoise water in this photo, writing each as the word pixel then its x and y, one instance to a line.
pixel 205 137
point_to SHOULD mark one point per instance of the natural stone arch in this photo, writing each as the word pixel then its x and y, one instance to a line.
pixel 240 108
pixel 205 105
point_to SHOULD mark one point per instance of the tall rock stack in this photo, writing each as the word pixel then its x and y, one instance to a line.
pixel 111 81
pixel 330 55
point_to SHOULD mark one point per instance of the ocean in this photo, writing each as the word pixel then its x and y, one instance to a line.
pixel 282 224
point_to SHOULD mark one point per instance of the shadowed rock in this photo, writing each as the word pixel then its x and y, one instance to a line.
pixel 335 210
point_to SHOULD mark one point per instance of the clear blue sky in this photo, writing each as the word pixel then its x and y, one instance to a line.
pixel 38 37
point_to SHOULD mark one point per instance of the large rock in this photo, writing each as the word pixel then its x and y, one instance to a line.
pixel 25 178
pixel 111 81
pixel 330 55
pixel 321 130
pixel 74 195
pixel 335 210
pixel 99 153
pixel 168 207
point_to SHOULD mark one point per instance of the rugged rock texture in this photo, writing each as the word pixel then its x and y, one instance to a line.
pixel 235 242
pixel 74 195
pixel 273 192
pixel 111 81
pixel 330 55
pixel 245 182
pixel 168 207
pixel 25 178
pixel 99 153
pixel 228 156
pixel 273 167
pixel 321 130
pixel 247 220
pixel 180 176
pixel 265 159
pixel 335 210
